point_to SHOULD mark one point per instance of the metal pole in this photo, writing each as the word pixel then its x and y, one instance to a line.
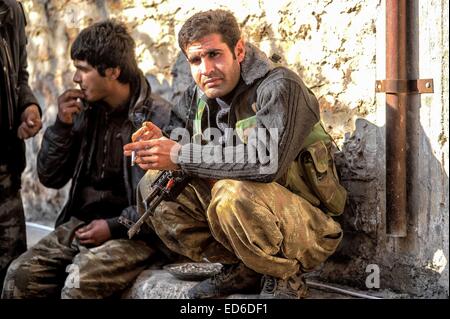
pixel 396 106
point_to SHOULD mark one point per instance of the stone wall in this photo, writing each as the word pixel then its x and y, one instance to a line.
pixel 333 61
pixel 338 49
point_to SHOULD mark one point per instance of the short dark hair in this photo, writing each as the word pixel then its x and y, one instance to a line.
pixel 107 44
pixel 204 23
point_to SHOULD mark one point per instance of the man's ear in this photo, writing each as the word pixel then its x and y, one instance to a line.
pixel 112 73
pixel 239 50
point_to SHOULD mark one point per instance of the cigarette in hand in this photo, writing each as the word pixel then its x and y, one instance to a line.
pixel 133 157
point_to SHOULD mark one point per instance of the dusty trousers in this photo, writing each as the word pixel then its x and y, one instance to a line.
pixel 270 229
pixel 59 267
pixel 13 240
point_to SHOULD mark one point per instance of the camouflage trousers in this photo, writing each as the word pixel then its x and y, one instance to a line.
pixel 267 227
pixel 59 266
pixel 13 241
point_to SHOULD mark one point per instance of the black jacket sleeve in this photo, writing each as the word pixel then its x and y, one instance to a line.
pixel 57 157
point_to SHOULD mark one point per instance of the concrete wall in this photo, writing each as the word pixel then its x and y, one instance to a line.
pixel 338 48
pixel 418 263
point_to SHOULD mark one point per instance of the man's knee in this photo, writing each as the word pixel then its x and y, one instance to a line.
pixel 228 194
pixel 17 278
pixel 231 189
pixel 229 203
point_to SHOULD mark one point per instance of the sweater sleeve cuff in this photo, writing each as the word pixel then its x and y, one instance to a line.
pixel 190 153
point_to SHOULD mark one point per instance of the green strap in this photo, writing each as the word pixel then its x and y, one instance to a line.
pixel 197 129
pixel 244 124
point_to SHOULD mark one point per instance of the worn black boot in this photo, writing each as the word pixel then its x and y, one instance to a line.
pixel 293 287
pixel 236 278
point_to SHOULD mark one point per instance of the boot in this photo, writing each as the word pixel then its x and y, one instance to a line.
pixel 235 278
pixel 293 287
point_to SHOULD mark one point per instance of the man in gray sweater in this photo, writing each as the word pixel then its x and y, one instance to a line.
pixel 243 133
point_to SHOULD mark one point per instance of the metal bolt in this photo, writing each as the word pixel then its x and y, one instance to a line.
pixel 428 85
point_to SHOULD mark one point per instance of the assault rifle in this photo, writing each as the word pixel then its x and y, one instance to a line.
pixel 167 186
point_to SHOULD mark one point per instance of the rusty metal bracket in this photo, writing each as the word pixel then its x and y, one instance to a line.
pixel 404 86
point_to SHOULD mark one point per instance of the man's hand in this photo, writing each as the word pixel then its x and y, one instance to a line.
pixel 148 131
pixel 69 104
pixel 159 154
pixel 95 233
pixel 31 122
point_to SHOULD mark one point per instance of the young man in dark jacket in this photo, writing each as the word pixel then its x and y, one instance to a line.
pixel 253 136
pixel 94 122
pixel 20 118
